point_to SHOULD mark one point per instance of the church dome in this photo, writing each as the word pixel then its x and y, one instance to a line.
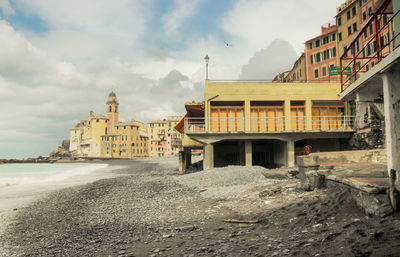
pixel 112 98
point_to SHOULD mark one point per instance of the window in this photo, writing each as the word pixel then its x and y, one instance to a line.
pixel 353 10
pixel 365 34
pixel 372 64
pixel 357 46
pixel 384 19
pixel 354 27
pixel 323 71
pixel 349 30
pixel 369 10
pixel 364 16
pixel 339 21
pixel 345 51
pixel 317 43
pixel 110 108
pixel 368 50
pixel 340 36
pixel 348 15
pixel 367 67
pixel 333 37
pixel 97 121
pixel 374 46
pixel 316 73
pixel 318 57
pixel 358 65
pixel 371 29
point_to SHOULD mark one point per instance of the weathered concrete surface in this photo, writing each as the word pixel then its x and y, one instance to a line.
pixel 308 167
pixel 375 204
pixel 358 156
pixel 367 183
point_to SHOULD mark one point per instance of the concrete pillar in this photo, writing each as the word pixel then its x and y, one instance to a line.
pixel 208 156
pixel 182 161
pixel 308 115
pixel 242 154
pixel 288 122
pixel 247 116
pixel 248 148
pixel 391 96
pixel 188 157
pixel 290 154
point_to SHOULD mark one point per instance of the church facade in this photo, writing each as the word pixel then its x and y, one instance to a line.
pixel 105 136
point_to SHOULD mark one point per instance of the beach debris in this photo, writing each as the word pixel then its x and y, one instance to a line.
pixel 203 189
pixel 186 228
pixel 242 221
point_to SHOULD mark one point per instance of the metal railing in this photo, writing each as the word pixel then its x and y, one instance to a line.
pixel 357 60
pixel 270 124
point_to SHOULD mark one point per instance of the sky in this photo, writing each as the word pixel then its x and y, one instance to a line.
pixel 60 59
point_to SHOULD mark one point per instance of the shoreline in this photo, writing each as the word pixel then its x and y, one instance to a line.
pixel 17 197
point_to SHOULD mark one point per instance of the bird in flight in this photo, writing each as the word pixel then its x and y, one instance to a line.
pixel 227 44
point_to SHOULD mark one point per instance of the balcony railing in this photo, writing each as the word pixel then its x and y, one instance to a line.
pixel 270 125
pixel 363 53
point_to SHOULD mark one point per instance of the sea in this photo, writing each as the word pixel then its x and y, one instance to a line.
pixel 21 174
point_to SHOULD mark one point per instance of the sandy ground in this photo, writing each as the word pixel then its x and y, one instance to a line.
pixel 149 209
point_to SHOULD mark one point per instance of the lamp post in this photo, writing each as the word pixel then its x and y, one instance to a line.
pixel 207 59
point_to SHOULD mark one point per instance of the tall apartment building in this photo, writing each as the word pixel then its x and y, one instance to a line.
pixel 321 55
pixel 299 70
pixel 348 24
pixel 163 137
pixel 174 138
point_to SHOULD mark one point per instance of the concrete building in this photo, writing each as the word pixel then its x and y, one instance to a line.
pixel 106 137
pixel 268 124
pixel 321 55
pixel 380 84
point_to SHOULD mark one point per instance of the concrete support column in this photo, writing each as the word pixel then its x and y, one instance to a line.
pixel 242 154
pixel 290 154
pixel 208 156
pixel 288 122
pixel 248 148
pixel 188 157
pixel 182 161
pixel 247 116
pixel 391 96
pixel 308 115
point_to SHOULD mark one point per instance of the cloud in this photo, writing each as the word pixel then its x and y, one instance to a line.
pixel 279 56
pixel 173 20
pixel 6 8
pixel 258 22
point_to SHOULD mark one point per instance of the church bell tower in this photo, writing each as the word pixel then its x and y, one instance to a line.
pixel 112 111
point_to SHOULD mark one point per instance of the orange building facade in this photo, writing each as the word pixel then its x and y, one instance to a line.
pixel 321 54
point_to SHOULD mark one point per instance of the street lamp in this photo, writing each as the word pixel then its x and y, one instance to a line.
pixel 207 59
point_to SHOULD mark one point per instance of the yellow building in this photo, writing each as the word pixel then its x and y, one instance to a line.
pixel 106 137
pixel 266 123
pixel 348 24
pixel 85 136
pixel 127 141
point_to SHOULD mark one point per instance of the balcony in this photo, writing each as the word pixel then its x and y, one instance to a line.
pixel 376 40
pixel 270 125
